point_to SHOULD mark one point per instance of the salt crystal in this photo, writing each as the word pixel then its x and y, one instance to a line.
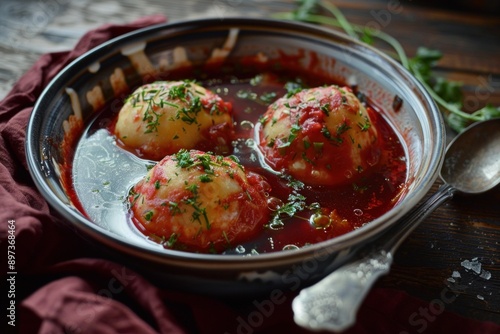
pixel 480 297
pixel 455 274
pixel 473 265
pixel 451 279
pixel 466 264
pixel 476 267
pixel 485 274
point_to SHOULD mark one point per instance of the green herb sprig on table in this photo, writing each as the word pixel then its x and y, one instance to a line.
pixel 447 94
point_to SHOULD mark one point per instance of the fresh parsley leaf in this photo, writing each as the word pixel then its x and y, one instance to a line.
pixel 446 93
pixel 184 159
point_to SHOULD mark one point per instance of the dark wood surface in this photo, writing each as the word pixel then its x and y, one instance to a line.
pixel 433 262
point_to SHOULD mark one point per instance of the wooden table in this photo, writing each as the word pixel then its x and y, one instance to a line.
pixel 440 261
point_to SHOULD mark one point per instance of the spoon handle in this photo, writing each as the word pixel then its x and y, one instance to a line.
pixel 332 303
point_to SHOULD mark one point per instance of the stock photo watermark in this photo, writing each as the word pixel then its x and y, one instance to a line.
pixel 24 21
pixel 424 316
pixel 290 281
pixel 383 17
pixel 87 312
pixel 11 273
pixel 483 91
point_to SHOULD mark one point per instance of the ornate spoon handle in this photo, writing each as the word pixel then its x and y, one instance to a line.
pixel 332 303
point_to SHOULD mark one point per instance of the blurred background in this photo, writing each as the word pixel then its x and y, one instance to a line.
pixel 29 28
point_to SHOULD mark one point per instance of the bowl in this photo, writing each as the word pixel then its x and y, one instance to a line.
pixel 97 77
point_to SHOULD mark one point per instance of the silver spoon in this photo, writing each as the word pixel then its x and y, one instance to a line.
pixel 471 166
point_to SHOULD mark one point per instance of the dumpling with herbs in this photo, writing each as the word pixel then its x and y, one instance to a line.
pixel 201 202
pixel 162 117
pixel 320 136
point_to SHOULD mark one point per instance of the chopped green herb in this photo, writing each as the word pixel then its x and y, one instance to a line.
pixel 255 81
pixel 364 126
pixel 318 147
pixel 342 128
pixel 325 108
pixel 193 188
pixel 293 87
pixel 205 178
pixel 307 144
pixel 294 131
pixel 171 240
pixel 246 94
pixel 359 188
pixel 296 203
pixel 306 158
pixel 148 215
pixel 184 159
pixel 268 97
pixel 174 208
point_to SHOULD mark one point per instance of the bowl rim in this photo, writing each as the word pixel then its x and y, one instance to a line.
pixel 111 239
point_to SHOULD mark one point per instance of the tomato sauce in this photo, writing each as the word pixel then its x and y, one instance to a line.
pixel 317 213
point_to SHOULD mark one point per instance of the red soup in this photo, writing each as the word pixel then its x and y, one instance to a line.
pixel 293 132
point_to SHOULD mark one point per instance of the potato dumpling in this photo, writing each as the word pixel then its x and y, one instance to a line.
pixel 198 201
pixel 162 117
pixel 320 136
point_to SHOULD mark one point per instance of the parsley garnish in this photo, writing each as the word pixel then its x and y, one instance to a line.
pixel 296 202
pixel 325 108
pixel 364 126
pixel 184 159
pixel 268 97
pixel 336 140
pixel 153 98
pixel 446 93
pixel 206 161
pixel 148 215
pixel 342 128
pixel 174 208
pixel 171 241
pixel 294 131
pixel 264 98
pixel 161 96
pixel 205 178
pixel 199 213
pixel 293 87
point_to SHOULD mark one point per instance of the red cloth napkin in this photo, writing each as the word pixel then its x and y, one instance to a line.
pixel 63 285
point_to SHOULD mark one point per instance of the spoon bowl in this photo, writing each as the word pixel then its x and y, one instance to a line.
pixel 472 160
pixel 471 166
